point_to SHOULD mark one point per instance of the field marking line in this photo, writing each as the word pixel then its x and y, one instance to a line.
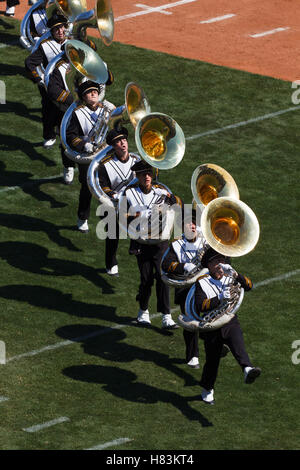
pixel 116 442
pixel 3 399
pixel 192 137
pixel 277 278
pixel 218 18
pixel 154 9
pixel 53 422
pixel 102 331
pixel 244 123
pixel 271 31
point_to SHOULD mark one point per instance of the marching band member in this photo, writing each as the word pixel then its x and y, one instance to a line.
pixel 140 198
pixel 184 258
pixel 59 93
pixel 81 123
pixel 211 290
pixel 115 172
pixel 46 51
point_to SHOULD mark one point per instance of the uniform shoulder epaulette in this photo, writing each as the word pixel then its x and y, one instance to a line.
pixel 46 40
pixel 79 106
pixel 134 155
pixel 108 157
pixel 202 276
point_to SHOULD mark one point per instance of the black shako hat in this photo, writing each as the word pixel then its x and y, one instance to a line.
pixel 56 20
pixel 88 85
pixel 141 166
pixel 116 134
pixel 209 255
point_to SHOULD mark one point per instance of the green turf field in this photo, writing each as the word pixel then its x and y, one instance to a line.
pixel 72 351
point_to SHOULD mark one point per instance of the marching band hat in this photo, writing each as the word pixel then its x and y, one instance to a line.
pixel 141 166
pixel 56 20
pixel 88 85
pixel 116 134
pixel 209 255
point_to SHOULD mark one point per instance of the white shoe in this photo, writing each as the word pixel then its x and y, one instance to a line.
pixel 10 11
pixel 114 271
pixel 251 373
pixel 168 322
pixel 208 396
pixel 68 175
pixel 82 226
pixel 143 317
pixel 49 143
pixel 194 363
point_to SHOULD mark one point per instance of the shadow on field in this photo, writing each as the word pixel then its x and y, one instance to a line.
pixel 110 348
pixel 34 258
pixel 53 299
pixel 122 384
pixel 11 143
pixel 33 224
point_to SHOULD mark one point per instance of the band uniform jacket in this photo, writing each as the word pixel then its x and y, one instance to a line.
pixel 46 51
pixel 114 174
pixel 183 251
pixel 81 124
pixel 208 288
pixel 58 90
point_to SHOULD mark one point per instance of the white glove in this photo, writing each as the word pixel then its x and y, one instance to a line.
pixel 189 267
pixel 225 294
pixel 228 270
pixel 88 147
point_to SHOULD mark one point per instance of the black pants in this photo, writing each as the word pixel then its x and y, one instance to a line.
pixel 12 3
pixel 149 261
pixel 230 334
pixel 191 339
pixel 51 115
pixel 85 195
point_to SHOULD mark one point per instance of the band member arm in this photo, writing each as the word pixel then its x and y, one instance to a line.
pixel 245 282
pixel 34 60
pixel 104 181
pixel 74 136
pixel 202 302
pixel 170 263
pixel 57 92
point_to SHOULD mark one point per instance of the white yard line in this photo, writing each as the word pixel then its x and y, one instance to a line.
pixel 102 331
pixel 116 442
pixel 39 427
pixel 267 33
pixel 146 10
pixel 244 123
pixel 3 399
pixel 218 18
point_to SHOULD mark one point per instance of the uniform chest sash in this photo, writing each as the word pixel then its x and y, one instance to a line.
pixel 85 120
pixel 51 48
pixel 120 174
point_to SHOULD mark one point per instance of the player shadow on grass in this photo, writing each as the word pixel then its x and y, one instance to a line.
pixel 58 301
pixel 123 384
pixel 112 348
pixel 33 224
pixel 12 143
pixel 34 258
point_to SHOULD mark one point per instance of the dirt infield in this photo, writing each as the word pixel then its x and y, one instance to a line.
pixel 251 35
